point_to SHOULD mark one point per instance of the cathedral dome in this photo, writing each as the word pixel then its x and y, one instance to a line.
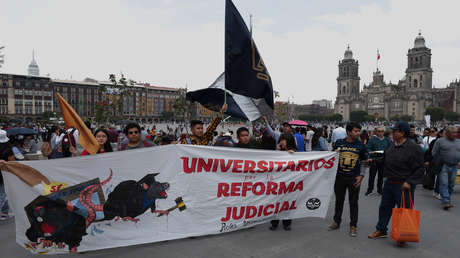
pixel 419 41
pixel 348 53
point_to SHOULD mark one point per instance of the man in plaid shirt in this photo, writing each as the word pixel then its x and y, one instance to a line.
pixel 196 126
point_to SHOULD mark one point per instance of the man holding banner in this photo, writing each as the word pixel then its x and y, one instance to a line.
pixel 196 126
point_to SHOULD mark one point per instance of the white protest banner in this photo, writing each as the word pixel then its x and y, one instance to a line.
pixel 162 193
pixel 428 121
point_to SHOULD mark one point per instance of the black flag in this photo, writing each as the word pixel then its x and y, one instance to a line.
pixel 214 97
pixel 245 85
pixel 245 71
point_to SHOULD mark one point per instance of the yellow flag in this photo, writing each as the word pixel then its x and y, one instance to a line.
pixel 72 119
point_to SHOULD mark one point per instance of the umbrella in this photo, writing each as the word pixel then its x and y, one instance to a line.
pixel 16 120
pixel 20 130
pixel 124 122
pixel 298 122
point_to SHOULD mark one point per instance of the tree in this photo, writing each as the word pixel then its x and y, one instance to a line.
pixel 327 117
pixel 102 112
pixel 358 116
pixel 167 115
pixel 406 118
pixel 281 111
pixel 436 113
pixel 115 94
pixel 369 118
pixel 334 117
pixel 47 115
pixel 452 116
pixel 181 108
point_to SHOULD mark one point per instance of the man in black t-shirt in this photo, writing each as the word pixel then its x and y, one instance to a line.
pixel 349 177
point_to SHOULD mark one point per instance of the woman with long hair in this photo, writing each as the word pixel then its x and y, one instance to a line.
pixel 364 136
pixel 102 137
pixel 286 143
pixel 318 142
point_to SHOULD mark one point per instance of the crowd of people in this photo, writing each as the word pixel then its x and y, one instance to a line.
pixel 395 155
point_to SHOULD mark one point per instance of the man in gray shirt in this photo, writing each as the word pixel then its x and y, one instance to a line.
pixel 448 149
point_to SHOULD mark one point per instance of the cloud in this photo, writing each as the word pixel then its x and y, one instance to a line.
pixel 177 42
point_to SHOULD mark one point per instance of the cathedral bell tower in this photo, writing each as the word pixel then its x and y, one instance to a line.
pixel 419 74
pixel 347 84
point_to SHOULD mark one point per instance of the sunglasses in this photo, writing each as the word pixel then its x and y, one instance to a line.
pixel 133 132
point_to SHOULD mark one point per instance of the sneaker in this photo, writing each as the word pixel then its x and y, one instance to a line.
pixel 367 193
pixel 334 226
pixel 377 234
pixel 437 195
pixel 4 216
pixel 446 206
pixel 287 228
pixel 273 228
pixel 353 231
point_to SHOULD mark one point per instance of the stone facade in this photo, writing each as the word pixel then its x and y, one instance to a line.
pixel 410 96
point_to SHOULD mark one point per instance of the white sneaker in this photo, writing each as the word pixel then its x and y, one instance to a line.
pixel 437 196
pixel 4 216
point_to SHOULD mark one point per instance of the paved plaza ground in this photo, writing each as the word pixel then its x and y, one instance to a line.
pixel 309 237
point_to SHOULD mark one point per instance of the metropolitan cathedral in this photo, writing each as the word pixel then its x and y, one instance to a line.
pixel 410 96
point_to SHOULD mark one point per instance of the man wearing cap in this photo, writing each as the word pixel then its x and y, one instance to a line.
pixel 403 168
pixel 287 128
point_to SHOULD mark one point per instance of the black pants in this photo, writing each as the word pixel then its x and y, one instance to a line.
pixel 375 169
pixel 341 185
pixel 286 222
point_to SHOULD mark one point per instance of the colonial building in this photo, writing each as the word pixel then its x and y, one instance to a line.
pixel 410 96
pixel 26 96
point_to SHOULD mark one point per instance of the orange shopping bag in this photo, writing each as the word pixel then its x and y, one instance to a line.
pixel 405 225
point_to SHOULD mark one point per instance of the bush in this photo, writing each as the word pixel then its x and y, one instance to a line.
pixel 452 116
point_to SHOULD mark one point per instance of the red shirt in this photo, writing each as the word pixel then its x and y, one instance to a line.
pixel 85 152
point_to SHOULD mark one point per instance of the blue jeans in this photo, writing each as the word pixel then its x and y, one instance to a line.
pixel 391 197
pixel 4 208
pixel 447 182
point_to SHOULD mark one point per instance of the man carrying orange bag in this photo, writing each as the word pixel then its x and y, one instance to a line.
pixel 403 168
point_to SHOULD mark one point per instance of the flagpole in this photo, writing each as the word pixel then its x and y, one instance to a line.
pixel 377 61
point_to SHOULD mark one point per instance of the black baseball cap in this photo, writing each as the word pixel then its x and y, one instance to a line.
pixel 402 126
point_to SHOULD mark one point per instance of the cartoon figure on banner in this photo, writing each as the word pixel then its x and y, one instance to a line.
pixel 62 217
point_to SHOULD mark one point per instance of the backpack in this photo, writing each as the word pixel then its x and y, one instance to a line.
pixel 68 141
pixel 46 149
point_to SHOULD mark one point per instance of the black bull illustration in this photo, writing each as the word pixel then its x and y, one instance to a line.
pixel 62 217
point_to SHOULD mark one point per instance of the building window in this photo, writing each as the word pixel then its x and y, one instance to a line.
pixel 415 83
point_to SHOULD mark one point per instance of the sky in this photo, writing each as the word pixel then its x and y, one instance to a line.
pixel 180 43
